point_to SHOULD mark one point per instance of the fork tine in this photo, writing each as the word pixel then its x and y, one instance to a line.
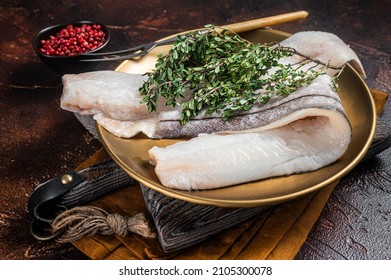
pixel 118 57
pixel 134 49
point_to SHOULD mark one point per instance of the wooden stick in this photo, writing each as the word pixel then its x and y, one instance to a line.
pixel 267 21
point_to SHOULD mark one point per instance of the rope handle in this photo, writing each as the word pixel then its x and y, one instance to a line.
pixel 57 214
pixel 78 222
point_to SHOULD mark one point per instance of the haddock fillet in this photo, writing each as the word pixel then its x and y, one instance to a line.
pixel 311 132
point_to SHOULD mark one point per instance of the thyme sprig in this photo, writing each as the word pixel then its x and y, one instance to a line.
pixel 218 72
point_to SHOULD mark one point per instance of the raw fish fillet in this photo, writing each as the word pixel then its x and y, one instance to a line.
pixel 319 94
pixel 114 100
pixel 111 93
pixel 311 132
pixel 323 46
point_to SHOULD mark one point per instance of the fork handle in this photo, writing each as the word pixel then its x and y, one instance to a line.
pixel 267 21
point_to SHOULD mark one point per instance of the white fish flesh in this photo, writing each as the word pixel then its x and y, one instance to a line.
pixel 306 139
pixel 324 47
pixel 111 93
pixel 128 129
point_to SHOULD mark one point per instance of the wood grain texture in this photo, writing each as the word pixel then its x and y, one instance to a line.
pixel 38 140
pixel 191 223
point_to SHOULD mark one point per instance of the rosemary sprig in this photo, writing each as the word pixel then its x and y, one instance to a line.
pixel 219 72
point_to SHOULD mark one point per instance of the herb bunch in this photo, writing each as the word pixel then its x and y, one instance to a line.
pixel 218 72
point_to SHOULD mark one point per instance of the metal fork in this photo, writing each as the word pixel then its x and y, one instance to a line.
pixel 138 51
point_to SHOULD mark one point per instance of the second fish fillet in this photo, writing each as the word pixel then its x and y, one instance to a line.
pixel 306 139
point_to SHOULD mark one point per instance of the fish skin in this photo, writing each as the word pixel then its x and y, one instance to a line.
pixel 319 94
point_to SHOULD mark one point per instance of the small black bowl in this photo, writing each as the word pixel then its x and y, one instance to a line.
pixel 67 64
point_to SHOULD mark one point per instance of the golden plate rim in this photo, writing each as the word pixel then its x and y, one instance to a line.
pixel 190 196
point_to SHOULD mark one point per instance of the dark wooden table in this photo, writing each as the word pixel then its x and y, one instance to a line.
pixel 38 140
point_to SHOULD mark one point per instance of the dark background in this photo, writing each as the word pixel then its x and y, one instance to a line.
pixel 38 140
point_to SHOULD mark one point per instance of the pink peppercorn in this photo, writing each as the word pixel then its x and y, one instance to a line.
pixel 73 40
